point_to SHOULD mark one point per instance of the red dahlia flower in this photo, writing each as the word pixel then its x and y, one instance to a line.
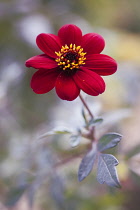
pixel 70 63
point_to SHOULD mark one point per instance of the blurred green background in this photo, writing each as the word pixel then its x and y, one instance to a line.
pixel 25 162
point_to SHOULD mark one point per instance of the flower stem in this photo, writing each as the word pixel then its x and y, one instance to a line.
pixel 86 106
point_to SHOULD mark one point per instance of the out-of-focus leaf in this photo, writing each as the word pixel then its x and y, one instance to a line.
pixel 87 163
pixel 96 121
pixel 14 195
pixel 84 115
pixel 133 151
pixel 108 140
pixel 62 132
pixel 106 172
pixel 31 195
pixel 57 191
pixel 134 163
pixel 59 130
pixel 113 117
pixel 75 140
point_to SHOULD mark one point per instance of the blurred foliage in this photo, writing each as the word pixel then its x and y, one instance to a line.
pixel 28 161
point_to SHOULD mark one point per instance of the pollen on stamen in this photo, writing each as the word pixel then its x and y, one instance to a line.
pixel 78 48
pixel 70 57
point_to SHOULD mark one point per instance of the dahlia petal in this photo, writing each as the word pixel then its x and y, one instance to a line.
pixel 41 62
pixel 49 44
pixel 44 80
pixel 70 34
pixel 101 64
pixel 90 82
pixel 93 43
pixel 66 88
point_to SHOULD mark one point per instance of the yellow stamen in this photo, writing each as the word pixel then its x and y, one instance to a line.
pixel 70 57
pixel 78 48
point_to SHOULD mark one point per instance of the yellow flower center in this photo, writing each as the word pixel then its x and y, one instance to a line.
pixel 70 57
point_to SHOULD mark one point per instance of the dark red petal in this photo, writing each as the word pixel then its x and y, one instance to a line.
pixel 90 82
pixel 44 80
pixel 70 34
pixel 49 44
pixel 101 64
pixel 41 62
pixel 93 43
pixel 66 88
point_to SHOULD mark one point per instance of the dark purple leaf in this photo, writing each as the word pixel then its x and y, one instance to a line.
pixel 87 163
pixel 108 140
pixel 106 172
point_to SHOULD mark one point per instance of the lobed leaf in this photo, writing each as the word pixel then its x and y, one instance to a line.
pixel 87 163
pixel 106 172
pixel 108 140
